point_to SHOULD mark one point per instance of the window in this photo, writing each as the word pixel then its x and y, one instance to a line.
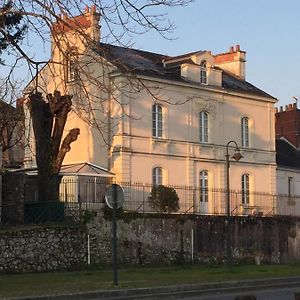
pixel 203 183
pixel 72 59
pixel 245 189
pixel 157 122
pixel 245 132
pixel 203 72
pixel 290 187
pixel 203 127
pixel 157 176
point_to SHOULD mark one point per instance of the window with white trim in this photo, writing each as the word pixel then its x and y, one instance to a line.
pixel 203 72
pixel 203 184
pixel 203 127
pixel 290 187
pixel 157 176
pixel 245 132
pixel 157 121
pixel 72 60
pixel 245 189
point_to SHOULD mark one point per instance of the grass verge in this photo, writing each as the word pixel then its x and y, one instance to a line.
pixel 13 285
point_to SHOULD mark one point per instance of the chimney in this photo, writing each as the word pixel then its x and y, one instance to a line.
pixel 233 62
pixel 88 22
pixel 287 124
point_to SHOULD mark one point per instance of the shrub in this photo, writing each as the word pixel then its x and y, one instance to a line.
pixel 164 199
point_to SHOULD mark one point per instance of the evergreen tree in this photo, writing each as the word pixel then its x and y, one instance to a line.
pixel 12 28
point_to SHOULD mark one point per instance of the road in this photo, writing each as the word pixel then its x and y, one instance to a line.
pixel 274 294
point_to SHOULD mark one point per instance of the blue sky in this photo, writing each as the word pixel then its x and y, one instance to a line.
pixel 268 30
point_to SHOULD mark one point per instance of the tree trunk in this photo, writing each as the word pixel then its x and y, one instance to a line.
pixel 48 120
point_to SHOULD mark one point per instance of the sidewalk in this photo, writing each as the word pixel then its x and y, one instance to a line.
pixel 173 292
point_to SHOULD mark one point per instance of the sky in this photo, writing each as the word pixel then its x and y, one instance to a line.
pixel 268 30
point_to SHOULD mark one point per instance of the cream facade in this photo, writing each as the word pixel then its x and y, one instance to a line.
pixel 168 119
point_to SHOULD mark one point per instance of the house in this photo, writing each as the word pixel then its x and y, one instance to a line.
pixel 287 129
pixel 157 119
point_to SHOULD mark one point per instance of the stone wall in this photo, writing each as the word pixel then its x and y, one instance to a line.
pixel 40 249
pixel 150 240
pixel 143 241
pixel 257 239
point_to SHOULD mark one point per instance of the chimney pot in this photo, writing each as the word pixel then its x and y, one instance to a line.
pixel 237 48
pixel 290 107
pixel 86 9
pixel 93 8
pixel 295 105
pixel 231 49
pixel 286 108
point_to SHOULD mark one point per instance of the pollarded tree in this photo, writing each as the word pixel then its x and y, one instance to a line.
pixel 48 120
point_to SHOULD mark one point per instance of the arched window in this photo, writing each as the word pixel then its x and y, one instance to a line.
pixel 203 184
pixel 203 72
pixel 157 120
pixel 245 188
pixel 157 176
pixel 203 127
pixel 72 60
pixel 245 132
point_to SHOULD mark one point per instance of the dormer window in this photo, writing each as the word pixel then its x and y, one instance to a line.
pixel 203 72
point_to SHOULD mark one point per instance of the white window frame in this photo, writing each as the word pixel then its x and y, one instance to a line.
pixel 157 176
pixel 245 132
pixel 203 126
pixel 157 121
pixel 203 185
pixel 72 60
pixel 245 189
pixel 290 187
pixel 203 72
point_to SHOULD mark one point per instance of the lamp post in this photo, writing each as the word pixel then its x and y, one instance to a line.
pixel 236 156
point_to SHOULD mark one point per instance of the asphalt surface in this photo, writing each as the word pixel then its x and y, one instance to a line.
pixel 271 289
pixel 273 294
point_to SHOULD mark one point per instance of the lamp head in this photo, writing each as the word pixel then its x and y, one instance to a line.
pixel 237 154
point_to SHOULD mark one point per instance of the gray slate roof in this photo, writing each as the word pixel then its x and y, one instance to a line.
pixel 287 155
pixel 151 64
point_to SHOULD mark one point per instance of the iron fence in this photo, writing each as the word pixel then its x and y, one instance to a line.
pixel 80 196
pixel 142 198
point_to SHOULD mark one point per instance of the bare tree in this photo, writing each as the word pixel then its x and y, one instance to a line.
pixel 50 22
pixel 11 129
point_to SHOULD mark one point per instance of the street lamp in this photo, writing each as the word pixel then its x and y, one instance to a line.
pixel 236 156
